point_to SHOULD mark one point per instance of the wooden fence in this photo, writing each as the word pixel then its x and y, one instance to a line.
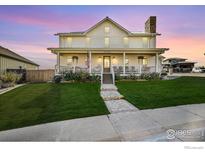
pixel 40 75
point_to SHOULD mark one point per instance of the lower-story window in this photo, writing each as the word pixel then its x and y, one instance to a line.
pixel 142 60
pixel 69 60
pixel 75 60
pixel 145 61
pixel 72 60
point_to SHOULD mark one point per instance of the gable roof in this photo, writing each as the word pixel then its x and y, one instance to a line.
pixel 83 33
pixel 110 20
pixel 8 53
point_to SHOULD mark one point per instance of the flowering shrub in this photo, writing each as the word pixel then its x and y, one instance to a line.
pixel 150 76
pixel 10 77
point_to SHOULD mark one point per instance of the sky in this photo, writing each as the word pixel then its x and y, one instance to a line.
pixel 29 30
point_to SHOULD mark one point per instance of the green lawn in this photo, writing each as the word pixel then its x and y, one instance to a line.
pixel 40 103
pixel 157 94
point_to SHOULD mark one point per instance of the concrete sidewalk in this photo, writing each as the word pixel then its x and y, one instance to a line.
pixel 136 125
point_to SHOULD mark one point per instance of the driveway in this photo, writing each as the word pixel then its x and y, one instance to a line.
pixel 164 124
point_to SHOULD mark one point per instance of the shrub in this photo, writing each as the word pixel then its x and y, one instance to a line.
pixel 150 76
pixel 117 76
pixel 57 78
pixel 80 77
pixel 10 77
pixel 1 83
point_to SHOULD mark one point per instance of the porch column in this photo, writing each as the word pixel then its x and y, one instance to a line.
pixel 124 63
pixel 58 62
pixel 90 62
pixel 157 63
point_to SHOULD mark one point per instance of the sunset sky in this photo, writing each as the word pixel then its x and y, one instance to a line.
pixel 29 30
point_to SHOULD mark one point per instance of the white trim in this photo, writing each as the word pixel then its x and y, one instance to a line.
pixel 90 62
pixel 58 62
pixel 157 62
pixel 124 56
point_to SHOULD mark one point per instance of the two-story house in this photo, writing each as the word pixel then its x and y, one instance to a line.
pixel 107 46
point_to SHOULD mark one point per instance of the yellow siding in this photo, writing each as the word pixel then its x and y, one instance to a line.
pixel 116 59
pixel 96 39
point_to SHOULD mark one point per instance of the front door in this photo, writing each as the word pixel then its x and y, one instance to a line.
pixel 106 64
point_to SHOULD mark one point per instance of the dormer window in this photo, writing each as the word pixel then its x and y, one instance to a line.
pixel 107 29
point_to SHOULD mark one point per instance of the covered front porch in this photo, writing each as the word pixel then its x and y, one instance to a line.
pixel 122 63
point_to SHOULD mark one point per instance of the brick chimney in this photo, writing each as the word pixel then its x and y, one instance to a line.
pixel 150 24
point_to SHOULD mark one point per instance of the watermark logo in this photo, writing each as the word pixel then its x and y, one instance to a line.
pixel 185 133
pixel 171 134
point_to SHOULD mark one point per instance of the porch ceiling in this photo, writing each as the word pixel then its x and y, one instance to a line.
pixel 108 50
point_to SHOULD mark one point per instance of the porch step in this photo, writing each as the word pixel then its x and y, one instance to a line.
pixel 110 95
pixel 108 87
pixel 107 79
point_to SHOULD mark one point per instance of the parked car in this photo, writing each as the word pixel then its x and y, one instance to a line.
pixel 197 70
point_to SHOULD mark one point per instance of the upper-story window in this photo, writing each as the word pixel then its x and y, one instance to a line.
pixel 69 42
pixel 125 40
pixel 65 42
pixel 107 29
pixel 107 42
pixel 87 41
pixel 145 42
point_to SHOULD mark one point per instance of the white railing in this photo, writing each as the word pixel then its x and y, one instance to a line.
pixel 101 74
pixel 113 75
pixel 137 69
pixel 71 69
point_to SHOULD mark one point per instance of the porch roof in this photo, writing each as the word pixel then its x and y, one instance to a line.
pixel 108 50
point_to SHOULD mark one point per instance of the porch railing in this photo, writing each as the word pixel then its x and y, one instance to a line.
pixel 134 69
pixel 113 75
pixel 138 69
pixel 101 74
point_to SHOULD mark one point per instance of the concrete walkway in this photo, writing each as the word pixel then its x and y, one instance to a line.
pixel 113 99
pixel 4 90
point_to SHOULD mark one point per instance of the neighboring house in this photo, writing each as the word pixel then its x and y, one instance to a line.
pixel 178 65
pixel 11 60
pixel 108 46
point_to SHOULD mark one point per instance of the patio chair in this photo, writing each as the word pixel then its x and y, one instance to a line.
pixel 132 68
pixel 120 69
pixel 127 69
pixel 115 69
